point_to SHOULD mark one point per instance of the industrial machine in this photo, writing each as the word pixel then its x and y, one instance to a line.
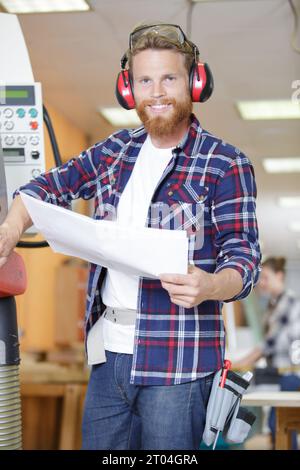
pixel 12 282
pixel 22 157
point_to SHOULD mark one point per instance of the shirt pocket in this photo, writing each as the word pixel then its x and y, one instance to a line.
pixel 182 209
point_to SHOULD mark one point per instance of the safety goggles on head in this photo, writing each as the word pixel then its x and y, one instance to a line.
pixel 172 32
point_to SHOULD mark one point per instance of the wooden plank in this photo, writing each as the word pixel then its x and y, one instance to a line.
pixel 52 415
pixel 71 423
pixel 42 390
pixel 287 419
pixel 277 399
pixel 40 422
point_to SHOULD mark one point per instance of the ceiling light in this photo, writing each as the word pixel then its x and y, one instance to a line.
pixel 119 117
pixel 282 165
pixel 211 1
pixel 44 6
pixel 269 109
pixel 289 202
pixel 295 226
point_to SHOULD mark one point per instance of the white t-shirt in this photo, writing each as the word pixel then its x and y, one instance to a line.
pixel 120 290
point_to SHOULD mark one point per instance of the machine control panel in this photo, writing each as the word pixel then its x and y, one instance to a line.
pixel 21 133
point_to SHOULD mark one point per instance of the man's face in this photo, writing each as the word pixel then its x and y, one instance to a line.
pixel 269 281
pixel 161 90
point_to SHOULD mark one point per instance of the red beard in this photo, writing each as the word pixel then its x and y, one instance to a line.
pixel 160 126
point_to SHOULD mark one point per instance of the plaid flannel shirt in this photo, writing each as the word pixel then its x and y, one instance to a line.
pixel 283 330
pixel 210 189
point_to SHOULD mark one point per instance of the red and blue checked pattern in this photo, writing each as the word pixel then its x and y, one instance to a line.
pixel 210 185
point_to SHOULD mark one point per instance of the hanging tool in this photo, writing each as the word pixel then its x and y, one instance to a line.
pixel 227 365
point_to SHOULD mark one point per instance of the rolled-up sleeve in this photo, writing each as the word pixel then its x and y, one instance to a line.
pixel 60 185
pixel 234 223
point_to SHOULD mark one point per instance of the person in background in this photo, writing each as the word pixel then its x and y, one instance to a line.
pixel 281 325
pixel 155 344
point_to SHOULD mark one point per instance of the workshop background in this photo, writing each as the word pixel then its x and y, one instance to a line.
pixel 252 47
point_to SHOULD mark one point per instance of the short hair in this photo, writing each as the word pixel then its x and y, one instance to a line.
pixel 154 41
pixel 275 264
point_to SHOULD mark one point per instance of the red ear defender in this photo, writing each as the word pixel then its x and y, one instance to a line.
pixel 201 82
pixel 201 85
pixel 124 91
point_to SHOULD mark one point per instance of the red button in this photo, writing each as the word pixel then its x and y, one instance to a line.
pixel 34 125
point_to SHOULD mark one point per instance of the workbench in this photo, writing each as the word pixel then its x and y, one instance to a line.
pixel 287 406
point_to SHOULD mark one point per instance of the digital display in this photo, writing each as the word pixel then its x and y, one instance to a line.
pixel 14 155
pixel 17 95
pixel 14 152
pixel 13 93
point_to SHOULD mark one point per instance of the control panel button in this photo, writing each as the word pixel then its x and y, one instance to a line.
pixel 34 125
pixel 8 112
pixel 34 140
pixel 21 112
pixel 35 154
pixel 22 140
pixel 9 125
pixel 36 172
pixel 9 140
pixel 33 112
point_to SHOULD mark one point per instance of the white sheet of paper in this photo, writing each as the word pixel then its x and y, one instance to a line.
pixel 141 251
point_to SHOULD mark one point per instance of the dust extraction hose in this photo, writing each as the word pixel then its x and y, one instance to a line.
pixel 10 401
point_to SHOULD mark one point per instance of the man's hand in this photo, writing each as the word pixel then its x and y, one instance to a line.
pixel 189 290
pixel 16 222
pixel 9 237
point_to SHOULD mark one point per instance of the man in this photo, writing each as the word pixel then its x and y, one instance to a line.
pixel 162 340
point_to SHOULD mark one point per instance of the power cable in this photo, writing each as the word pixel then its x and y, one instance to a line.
pixel 189 17
pixel 296 25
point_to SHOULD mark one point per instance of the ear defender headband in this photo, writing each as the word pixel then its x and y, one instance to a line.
pixel 201 81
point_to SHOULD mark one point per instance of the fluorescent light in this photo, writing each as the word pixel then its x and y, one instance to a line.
pixel 269 109
pixel 211 1
pixel 289 202
pixel 295 226
pixel 282 165
pixel 119 117
pixel 44 6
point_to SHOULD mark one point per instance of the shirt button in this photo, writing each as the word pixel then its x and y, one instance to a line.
pixel 170 193
pixel 201 198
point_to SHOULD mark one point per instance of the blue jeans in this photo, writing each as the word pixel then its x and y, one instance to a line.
pixel 119 415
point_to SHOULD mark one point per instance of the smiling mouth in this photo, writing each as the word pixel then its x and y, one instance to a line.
pixel 157 108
